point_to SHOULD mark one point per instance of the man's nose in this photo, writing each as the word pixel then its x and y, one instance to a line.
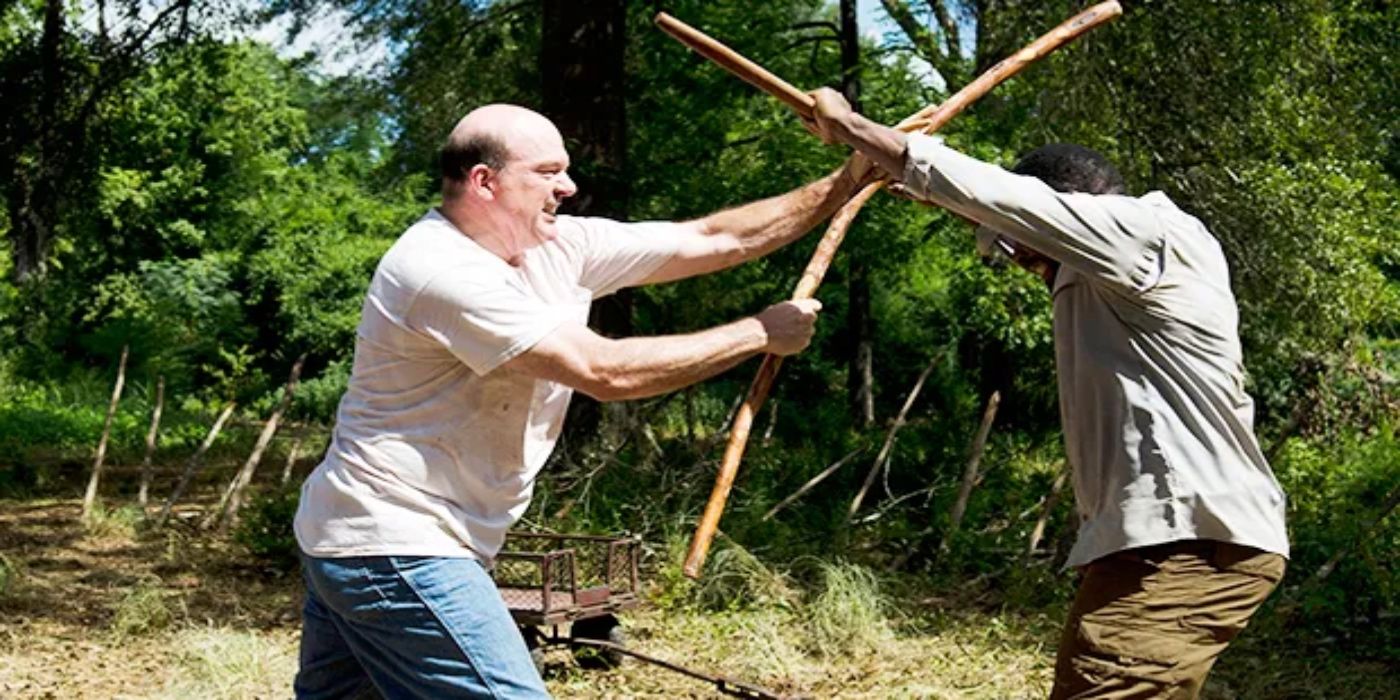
pixel 565 187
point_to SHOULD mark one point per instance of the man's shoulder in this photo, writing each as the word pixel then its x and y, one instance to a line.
pixel 430 245
pixel 430 252
pixel 1179 222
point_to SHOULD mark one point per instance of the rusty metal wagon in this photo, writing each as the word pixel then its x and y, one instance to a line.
pixel 583 581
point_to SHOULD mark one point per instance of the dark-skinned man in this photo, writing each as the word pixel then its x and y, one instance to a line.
pixel 1181 533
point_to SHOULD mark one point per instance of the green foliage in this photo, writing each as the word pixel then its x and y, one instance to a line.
pixel 1336 493
pixel 234 204
pixel 265 526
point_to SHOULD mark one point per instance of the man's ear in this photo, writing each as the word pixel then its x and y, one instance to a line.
pixel 481 181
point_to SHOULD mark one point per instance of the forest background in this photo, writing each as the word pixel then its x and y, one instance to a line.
pixel 201 212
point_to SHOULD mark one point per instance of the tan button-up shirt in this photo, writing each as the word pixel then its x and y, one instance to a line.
pixel 1157 423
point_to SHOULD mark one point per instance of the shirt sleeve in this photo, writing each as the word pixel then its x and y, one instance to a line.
pixel 483 322
pixel 618 255
pixel 1116 239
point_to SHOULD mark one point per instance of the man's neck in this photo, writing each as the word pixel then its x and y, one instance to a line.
pixel 485 236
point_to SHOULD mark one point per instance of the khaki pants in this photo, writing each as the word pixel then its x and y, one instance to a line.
pixel 1150 622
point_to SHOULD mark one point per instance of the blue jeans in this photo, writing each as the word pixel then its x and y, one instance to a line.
pixel 409 627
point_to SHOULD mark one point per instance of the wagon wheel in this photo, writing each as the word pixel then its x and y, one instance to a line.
pixel 604 628
pixel 535 643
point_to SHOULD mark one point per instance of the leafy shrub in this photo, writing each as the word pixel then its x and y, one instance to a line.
pixel 1336 492
pixel 265 526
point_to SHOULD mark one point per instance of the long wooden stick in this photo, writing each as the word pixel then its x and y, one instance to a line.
pixel 927 120
pixel 730 60
pixel 1051 501
pixel 192 464
pixel 232 499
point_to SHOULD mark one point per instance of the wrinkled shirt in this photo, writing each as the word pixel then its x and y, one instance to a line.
pixel 436 445
pixel 1157 425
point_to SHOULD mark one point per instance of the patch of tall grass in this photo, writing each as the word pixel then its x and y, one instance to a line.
pixel 848 615
pixel 143 610
pixel 113 523
pixel 216 663
pixel 12 574
pixel 734 579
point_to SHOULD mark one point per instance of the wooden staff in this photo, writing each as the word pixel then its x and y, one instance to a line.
pixel 927 120
pixel 747 70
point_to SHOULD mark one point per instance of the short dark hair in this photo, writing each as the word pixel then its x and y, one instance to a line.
pixel 458 157
pixel 1068 167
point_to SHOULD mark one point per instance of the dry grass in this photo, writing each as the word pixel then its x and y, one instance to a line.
pixel 171 615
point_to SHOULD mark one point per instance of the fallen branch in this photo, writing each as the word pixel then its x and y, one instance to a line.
pixel 192 465
pixel 90 496
pixel 970 478
pixel 151 437
pixel 811 483
pixel 291 460
pixel 233 496
pixel 1050 502
pixel 883 458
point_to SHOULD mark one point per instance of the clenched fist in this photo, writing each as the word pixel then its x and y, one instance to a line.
pixel 829 114
pixel 789 325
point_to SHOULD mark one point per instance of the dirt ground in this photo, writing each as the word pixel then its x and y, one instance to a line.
pixel 177 614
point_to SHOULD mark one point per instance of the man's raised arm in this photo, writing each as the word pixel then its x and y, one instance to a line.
pixel 732 236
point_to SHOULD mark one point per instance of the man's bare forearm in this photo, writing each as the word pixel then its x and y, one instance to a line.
pixel 635 368
pixel 761 227
pixel 881 144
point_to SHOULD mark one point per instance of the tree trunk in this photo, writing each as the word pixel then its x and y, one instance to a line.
pixel 581 65
pixel 151 437
pixel 860 373
pixel 885 449
pixel 233 495
pixel 969 479
pixel 192 465
pixel 90 496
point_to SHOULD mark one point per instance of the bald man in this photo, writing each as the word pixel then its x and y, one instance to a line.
pixel 471 341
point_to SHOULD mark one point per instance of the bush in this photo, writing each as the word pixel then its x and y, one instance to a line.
pixel 265 526
pixel 1336 491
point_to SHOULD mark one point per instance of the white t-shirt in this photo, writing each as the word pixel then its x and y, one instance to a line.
pixel 436 449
